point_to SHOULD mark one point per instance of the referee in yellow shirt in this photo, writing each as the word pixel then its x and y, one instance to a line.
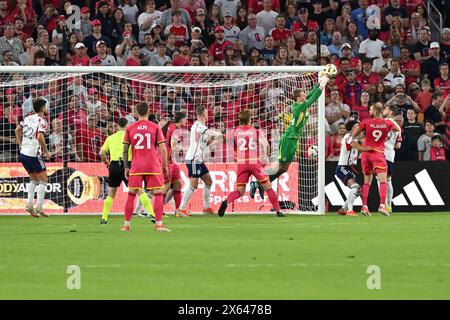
pixel 113 147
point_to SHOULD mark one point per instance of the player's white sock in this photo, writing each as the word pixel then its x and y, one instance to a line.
pixel 186 196
pixel 206 193
pixel 352 195
pixel 390 192
pixel 31 189
pixel 41 193
pixel 169 196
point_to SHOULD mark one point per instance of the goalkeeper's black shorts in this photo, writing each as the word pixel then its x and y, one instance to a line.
pixel 116 174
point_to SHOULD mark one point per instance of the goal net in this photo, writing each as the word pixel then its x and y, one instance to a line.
pixel 85 104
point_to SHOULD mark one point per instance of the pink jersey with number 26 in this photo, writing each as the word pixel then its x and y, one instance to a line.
pixel 144 137
pixel 377 131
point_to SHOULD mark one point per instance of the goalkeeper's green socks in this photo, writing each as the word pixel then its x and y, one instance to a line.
pixel 145 200
pixel 107 204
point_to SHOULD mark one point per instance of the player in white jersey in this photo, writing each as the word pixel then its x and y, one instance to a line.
pixel 345 170
pixel 200 137
pixel 30 137
pixel 393 142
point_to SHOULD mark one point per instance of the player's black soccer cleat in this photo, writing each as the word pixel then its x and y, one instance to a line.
pixel 261 190
pixel 223 208
pixel 152 219
pixel 253 188
pixel 280 214
pixel 103 221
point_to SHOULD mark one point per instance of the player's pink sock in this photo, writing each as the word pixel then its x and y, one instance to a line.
pixel 158 204
pixel 274 199
pixel 365 193
pixel 383 192
pixel 233 196
pixel 129 206
pixel 177 198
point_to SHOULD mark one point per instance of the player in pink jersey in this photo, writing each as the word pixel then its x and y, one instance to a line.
pixel 248 143
pixel 376 133
pixel 145 137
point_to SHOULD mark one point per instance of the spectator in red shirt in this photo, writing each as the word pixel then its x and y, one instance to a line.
pixel 442 82
pixel 255 6
pixel 351 89
pixel 217 49
pixel 134 59
pixel 363 107
pixel 423 99
pixel 89 140
pixel 409 67
pixel 280 34
pixel 80 57
pixel 343 66
pixel 367 78
pixel 183 58
pixel 437 151
pixel 300 29
pixel 27 14
pixel 177 28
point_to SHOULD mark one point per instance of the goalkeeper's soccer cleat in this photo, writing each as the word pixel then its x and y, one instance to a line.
pixel 103 221
pixel 253 188
pixel 280 214
pixel 31 211
pixel 143 214
pixel 162 228
pixel 208 211
pixel 125 228
pixel 342 211
pixel 365 211
pixel 382 209
pixel 351 213
pixel 389 209
pixel 181 213
pixel 40 212
pixel 223 208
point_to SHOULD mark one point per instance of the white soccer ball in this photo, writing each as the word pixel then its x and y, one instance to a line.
pixel 330 70
pixel 313 152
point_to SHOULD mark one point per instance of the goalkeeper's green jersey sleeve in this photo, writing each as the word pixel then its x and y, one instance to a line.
pixel 300 113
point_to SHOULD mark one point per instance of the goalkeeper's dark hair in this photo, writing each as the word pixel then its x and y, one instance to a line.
pixel 122 122
pixel 153 118
pixel 142 109
pixel 244 117
pixel 38 105
pixel 394 109
pixel 349 125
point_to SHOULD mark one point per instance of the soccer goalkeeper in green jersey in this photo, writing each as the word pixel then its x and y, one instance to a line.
pixel 289 140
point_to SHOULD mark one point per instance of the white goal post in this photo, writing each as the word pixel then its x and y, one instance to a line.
pixel 274 84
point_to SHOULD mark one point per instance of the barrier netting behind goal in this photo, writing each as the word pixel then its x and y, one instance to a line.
pixel 84 109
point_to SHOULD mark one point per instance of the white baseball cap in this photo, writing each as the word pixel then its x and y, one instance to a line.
pixel 80 45
pixel 434 45
pixel 196 29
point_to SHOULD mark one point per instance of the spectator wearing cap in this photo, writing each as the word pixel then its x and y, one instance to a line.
pixel 91 40
pixel 104 16
pixel 230 29
pixel 445 45
pixel 350 89
pixel 204 57
pixel 83 27
pixel 184 57
pixel 107 59
pixel 147 19
pixel 93 101
pixel 430 68
pixel 422 48
pixel 123 49
pixel 300 29
pixel 228 6
pixel 396 10
pixel 442 83
pixel 256 6
pixel 280 34
pixel 371 47
pixel 11 43
pixel 26 57
pixel 166 17
pixel 171 103
pixel 346 52
pixel 160 58
pixel 27 14
pixel 367 77
pixel 410 67
pixel 196 42
pixel 336 44
pixel 382 65
pixel 309 49
pixel 412 35
pixel 266 18
pixel 80 58
pixel 269 51
pixel 157 33
pixel 130 11
pixel 394 78
pixel 149 49
pixel 206 25
pixel 217 49
pixel 60 34
pixel 359 17
pixel 177 28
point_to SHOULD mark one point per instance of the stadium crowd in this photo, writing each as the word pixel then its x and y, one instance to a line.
pixel 391 60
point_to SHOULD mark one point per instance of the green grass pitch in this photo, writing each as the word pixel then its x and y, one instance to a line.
pixel 235 257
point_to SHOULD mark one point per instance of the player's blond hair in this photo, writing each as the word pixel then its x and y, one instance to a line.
pixel 244 117
pixel 377 107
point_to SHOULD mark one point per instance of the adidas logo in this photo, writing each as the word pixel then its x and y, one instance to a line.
pixel 430 196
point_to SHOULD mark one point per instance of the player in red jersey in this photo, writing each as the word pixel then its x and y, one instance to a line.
pixel 249 144
pixel 144 137
pixel 376 132
pixel 172 187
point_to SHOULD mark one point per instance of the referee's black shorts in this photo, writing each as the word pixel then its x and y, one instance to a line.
pixel 116 174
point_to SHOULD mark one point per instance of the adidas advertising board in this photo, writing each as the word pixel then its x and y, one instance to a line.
pixel 418 186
